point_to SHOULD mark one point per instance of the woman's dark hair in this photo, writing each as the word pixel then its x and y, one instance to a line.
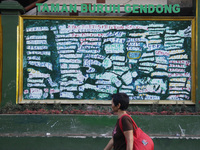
pixel 121 98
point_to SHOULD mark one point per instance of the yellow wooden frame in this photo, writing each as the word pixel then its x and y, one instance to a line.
pixel 197 38
pixel 1 58
pixel 19 89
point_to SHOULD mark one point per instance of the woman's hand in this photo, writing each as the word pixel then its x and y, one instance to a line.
pixel 109 146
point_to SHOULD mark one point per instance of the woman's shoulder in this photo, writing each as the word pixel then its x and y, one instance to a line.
pixel 126 123
pixel 126 118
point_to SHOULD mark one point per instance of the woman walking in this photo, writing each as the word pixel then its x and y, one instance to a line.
pixel 121 140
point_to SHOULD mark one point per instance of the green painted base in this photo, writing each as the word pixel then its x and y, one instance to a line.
pixel 63 143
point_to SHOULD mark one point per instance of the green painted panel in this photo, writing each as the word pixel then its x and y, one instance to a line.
pixel 10 11
pixel 64 125
pixel 9 26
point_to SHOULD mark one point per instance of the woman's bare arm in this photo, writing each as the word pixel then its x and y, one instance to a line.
pixel 129 138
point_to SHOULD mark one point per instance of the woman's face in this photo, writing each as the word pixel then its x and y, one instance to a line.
pixel 114 108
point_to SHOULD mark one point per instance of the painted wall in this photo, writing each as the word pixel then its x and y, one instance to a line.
pixel 9 19
pixel 53 132
pixel 70 132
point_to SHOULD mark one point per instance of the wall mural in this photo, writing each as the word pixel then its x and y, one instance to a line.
pixel 92 59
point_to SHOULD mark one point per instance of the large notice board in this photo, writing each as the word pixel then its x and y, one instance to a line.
pixel 88 59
